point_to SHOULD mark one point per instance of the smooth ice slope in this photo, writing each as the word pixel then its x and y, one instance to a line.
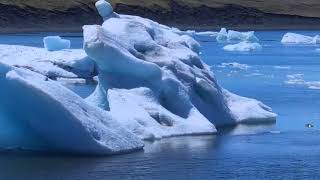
pixel 293 38
pixel 247 110
pixel 61 118
pixel 156 76
pixel 243 47
pixel 56 43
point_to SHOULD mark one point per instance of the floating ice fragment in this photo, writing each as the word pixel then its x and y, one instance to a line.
pixel 235 65
pixel 243 47
pixel 298 79
pixel 282 67
pixel 56 43
pixel 235 36
pixel 294 38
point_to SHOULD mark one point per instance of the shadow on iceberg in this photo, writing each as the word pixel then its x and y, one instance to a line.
pixel 152 84
pixel 58 118
pixel 155 82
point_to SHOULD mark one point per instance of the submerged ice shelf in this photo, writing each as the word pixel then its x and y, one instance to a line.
pixel 152 84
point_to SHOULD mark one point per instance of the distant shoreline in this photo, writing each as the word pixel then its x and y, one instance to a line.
pixel 34 20
pixel 4 31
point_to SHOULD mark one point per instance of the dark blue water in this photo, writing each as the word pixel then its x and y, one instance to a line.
pixel 296 105
pixel 291 153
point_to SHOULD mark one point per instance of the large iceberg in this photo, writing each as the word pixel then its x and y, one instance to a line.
pixel 156 76
pixel 294 38
pixel 152 84
pixel 234 36
pixel 62 119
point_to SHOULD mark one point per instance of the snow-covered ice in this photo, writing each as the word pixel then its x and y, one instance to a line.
pixel 243 47
pixel 247 110
pixel 71 63
pixel 59 117
pixel 146 71
pixel 157 75
pixel 294 38
pixel 56 43
pixel 152 84
pixel 234 36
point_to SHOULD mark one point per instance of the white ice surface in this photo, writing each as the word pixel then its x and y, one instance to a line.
pixel 243 47
pixel 56 43
pixel 235 65
pixel 294 38
pixel 247 110
pixel 58 116
pixel 152 84
pixel 71 63
pixel 234 36
pixel 152 77
pixel 298 79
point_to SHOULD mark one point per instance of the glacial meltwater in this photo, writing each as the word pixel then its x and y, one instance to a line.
pixel 284 77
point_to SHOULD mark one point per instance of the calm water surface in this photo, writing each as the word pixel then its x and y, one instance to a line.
pixel 289 151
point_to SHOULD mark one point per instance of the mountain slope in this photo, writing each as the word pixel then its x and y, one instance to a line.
pixel 70 15
pixel 307 8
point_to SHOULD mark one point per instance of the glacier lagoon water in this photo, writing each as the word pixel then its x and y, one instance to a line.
pixel 284 150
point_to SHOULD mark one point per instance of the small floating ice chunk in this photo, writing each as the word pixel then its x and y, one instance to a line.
pixel 309 125
pixel 222 35
pixel 243 47
pixel 294 38
pixel 298 79
pixel 235 65
pixel 242 36
pixel 233 36
pixel 254 74
pixel 282 67
pixel 275 132
pixel 56 43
